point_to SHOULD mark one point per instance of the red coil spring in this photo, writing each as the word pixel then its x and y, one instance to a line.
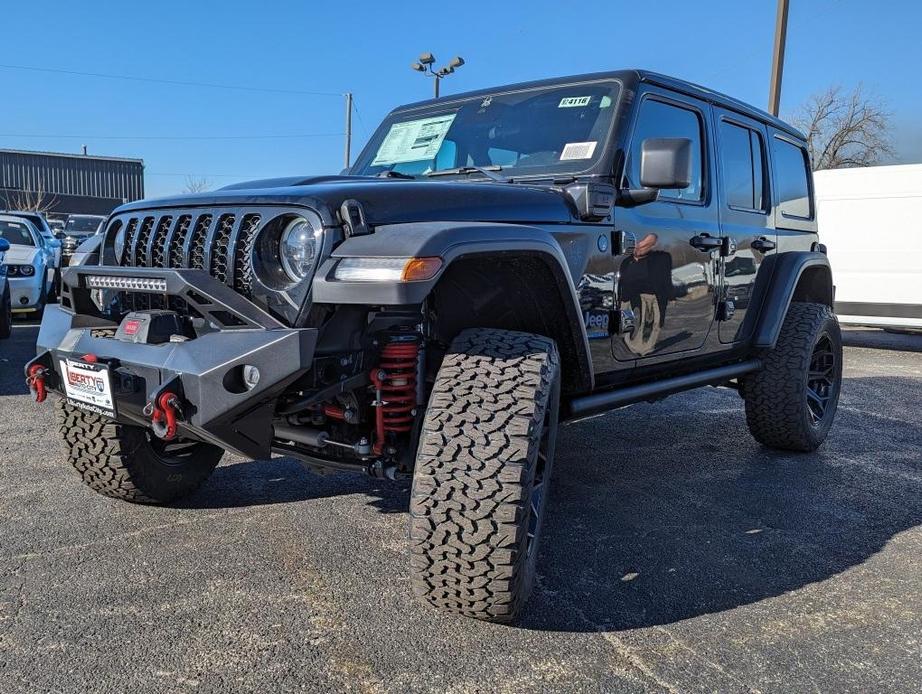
pixel 395 382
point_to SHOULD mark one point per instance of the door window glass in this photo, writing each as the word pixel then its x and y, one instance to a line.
pixel 741 166
pixel 659 119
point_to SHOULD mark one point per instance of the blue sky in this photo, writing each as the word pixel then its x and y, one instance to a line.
pixel 366 47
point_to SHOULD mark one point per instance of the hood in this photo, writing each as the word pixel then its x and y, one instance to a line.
pixel 391 201
pixel 20 255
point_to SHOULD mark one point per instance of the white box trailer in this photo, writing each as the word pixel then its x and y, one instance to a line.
pixel 871 222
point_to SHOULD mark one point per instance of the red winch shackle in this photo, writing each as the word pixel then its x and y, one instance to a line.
pixel 163 416
pixel 35 379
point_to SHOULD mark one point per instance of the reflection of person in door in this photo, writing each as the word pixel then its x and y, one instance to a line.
pixel 646 284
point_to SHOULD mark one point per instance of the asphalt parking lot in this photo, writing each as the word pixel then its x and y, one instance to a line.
pixel 679 556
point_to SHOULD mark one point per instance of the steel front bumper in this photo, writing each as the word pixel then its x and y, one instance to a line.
pixel 205 372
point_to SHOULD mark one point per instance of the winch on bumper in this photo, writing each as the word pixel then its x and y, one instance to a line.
pixel 219 387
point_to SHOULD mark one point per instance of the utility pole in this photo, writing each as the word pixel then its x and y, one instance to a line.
pixel 781 30
pixel 348 152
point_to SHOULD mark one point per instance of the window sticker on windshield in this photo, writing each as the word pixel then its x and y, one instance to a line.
pixel 415 140
pixel 574 101
pixel 578 150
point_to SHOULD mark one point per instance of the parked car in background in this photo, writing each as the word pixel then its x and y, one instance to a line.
pixel 49 242
pixel 28 263
pixel 77 229
pixel 6 308
pixel 871 221
pixel 40 222
pixel 57 227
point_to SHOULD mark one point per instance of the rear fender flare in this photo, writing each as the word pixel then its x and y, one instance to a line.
pixel 793 275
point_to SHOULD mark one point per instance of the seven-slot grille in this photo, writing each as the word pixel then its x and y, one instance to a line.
pixel 219 241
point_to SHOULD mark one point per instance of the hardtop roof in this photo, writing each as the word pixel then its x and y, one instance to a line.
pixel 630 78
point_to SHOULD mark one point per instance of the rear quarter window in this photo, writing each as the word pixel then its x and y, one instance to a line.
pixel 792 179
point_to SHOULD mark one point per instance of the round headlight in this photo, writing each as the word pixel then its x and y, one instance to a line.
pixel 26 270
pixel 119 244
pixel 298 249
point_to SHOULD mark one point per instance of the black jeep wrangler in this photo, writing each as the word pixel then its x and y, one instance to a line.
pixel 493 264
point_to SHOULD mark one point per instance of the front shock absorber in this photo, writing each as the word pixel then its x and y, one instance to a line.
pixel 395 387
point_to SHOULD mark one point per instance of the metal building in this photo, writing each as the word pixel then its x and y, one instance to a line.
pixel 69 183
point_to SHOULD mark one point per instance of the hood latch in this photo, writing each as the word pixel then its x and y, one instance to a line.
pixel 353 216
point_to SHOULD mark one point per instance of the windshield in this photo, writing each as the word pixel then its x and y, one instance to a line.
pixel 548 130
pixel 16 233
pixel 82 225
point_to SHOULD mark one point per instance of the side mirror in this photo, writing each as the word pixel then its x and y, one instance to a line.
pixel 4 245
pixel 665 163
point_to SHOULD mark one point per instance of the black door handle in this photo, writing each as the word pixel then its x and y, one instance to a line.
pixel 763 245
pixel 706 242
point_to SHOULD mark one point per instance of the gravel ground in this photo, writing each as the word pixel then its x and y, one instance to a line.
pixel 679 556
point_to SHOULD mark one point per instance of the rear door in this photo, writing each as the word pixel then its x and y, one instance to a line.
pixel 745 206
pixel 666 282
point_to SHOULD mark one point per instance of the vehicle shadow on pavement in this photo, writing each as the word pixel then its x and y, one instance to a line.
pixel 657 516
pixel 15 352
pixel 285 480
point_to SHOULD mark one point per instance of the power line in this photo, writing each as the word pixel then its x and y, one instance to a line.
pixel 206 175
pixel 181 83
pixel 359 115
pixel 168 137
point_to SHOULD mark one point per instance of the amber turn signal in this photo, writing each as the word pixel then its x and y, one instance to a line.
pixel 418 269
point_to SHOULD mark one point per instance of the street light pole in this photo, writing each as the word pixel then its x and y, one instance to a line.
pixel 425 66
pixel 781 30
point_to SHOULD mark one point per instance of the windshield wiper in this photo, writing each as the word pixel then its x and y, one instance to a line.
pixel 485 170
pixel 395 174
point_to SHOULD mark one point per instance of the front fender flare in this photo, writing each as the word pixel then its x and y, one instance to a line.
pixel 449 241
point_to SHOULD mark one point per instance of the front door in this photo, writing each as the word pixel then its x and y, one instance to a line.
pixel 744 217
pixel 668 283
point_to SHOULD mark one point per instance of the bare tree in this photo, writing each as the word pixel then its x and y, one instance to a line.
pixel 33 200
pixel 844 129
pixel 196 184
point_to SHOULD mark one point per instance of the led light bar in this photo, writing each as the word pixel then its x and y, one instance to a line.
pixel 138 284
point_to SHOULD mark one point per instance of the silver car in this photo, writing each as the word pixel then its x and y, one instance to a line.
pixel 29 263
pixel 79 228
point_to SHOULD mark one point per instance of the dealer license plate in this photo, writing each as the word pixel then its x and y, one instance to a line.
pixel 88 386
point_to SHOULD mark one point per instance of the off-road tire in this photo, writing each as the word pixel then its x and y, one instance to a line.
pixel 777 408
pixel 123 462
pixel 494 404
pixel 6 314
